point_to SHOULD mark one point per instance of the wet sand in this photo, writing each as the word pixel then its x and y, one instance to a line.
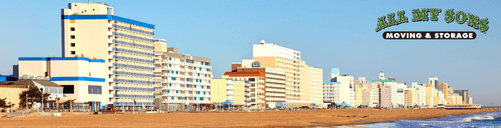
pixel 303 118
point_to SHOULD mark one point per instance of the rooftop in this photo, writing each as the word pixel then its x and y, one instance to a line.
pixel 384 80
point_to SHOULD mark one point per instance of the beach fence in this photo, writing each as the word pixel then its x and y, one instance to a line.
pixel 81 107
pixel 491 107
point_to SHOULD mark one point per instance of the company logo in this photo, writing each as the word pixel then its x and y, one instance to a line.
pixel 422 15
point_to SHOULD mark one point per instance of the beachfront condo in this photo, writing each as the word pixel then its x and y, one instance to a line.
pixel 277 57
pixel 311 84
pixel 248 89
pixel 346 89
pixel 370 94
pixel 126 46
pixel 185 80
pixel 220 90
pixel 421 94
pixel 274 82
pixel 357 95
pixel 234 92
pixel 331 92
pixel 410 97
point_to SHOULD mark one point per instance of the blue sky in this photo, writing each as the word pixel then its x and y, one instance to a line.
pixel 329 34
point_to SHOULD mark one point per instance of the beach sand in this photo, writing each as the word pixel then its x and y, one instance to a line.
pixel 302 118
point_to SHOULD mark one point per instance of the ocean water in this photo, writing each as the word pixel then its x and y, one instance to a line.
pixel 474 120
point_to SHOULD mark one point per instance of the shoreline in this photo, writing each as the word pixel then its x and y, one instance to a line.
pixel 369 122
pixel 300 118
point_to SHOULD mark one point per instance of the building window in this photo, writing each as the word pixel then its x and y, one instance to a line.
pixel 168 91
pixel 170 65
pixel 194 68
pixel 68 89
pixel 198 74
pixel 177 72
pixel 252 79
pixel 72 44
pixel 170 58
pixel 187 60
pixel 173 78
pixel 170 85
pixel 172 98
pixel 185 98
pixel 194 86
pixel 72 52
pixel 205 75
pixel 177 91
pixel 94 89
pixel 187 85
pixel 72 29
pixel 208 87
pixel 72 37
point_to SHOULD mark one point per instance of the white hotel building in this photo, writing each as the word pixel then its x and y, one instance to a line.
pixel 184 80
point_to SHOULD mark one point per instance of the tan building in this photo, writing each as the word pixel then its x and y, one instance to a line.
pixel 447 92
pixel 219 90
pixel 274 83
pixel 185 80
pixel 430 98
pixel 411 97
pixel 277 57
pixel 92 30
pixel 358 93
pixel 370 94
pixel 253 91
pixel 311 84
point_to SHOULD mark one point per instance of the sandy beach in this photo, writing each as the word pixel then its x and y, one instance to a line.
pixel 303 118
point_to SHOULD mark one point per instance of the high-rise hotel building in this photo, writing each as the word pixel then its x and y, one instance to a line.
pixel 92 30
pixel 185 80
pixel 273 56
pixel 311 84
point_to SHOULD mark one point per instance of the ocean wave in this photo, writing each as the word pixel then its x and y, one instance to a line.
pixel 487 119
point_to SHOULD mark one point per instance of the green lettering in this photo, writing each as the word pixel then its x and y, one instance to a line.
pixel 473 21
pixel 401 17
pixel 483 25
pixel 459 15
pixel 449 15
pixel 434 14
pixel 420 16
pixel 391 19
pixel 381 23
